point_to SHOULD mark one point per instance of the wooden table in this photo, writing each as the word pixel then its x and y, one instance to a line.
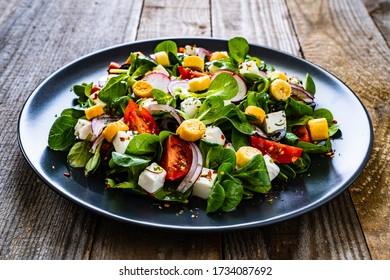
pixel 350 38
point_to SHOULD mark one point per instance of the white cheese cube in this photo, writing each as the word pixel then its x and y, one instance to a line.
pixel 147 102
pixel 121 141
pixel 272 168
pixel 205 182
pixel 214 134
pixel 275 121
pixel 152 178
pixel 249 67
pixel 190 106
pixel 190 49
pixel 83 128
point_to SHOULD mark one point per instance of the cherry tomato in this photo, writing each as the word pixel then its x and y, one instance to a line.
pixel 280 153
pixel 139 119
pixel 187 73
pixel 177 157
pixel 302 132
pixel 113 65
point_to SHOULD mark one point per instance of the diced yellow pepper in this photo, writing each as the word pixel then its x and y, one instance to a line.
pixel 218 56
pixel 245 154
pixel 257 112
pixel 318 129
pixel 277 75
pixel 113 128
pixel 162 58
pixel 199 84
pixel 194 62
pixel 191 130
pixel 94 111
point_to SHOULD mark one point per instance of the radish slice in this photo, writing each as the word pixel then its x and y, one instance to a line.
pixel 195 170
pixel 175 85
pixel 158 80
pixel 242 89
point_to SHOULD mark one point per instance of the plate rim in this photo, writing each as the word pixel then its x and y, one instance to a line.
pixel 292 214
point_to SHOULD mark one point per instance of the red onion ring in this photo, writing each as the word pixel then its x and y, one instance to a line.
pixel 161 107
pixel 195 170
pixel 298 92
pixel 176 84
pixel 99 123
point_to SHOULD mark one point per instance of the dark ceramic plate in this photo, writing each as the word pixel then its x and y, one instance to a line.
pixel 326 178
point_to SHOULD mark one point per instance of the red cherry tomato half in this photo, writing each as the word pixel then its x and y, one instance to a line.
pixel 280 153
pixel 177 157
pixel 139 119
pixel 302 132
pixel 187 73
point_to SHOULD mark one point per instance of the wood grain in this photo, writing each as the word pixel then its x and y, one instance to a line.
pixel 380 13
pixel 355 49
pixel 35 222
pixel 345 37
pixel 179 18
pixel 303 237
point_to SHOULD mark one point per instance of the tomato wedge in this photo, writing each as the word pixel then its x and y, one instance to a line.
pixel 139 119
pixel 113 65
pixel 177 157
pixel 280 153
pixel 187 73
pixel 302 132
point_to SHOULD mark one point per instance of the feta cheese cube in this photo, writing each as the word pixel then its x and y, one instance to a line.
pixel 190 106
pixel 152 178
pixel 272 168
pixel 275 121
pixel 83 128
pixel 214 134
pixel 190 49
pixel 161 69
pixel 205 182
pixel 121 140
pixel 249 67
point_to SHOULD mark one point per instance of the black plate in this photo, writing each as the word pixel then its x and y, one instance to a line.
pixel 325 179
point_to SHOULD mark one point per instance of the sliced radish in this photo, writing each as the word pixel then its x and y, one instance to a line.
pixel 242 89
pixel 158 80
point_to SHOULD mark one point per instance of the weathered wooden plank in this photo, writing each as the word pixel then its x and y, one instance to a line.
pixel 268 23
pixel 380 13
pixel 179 18
pixel 356 49
pixel 36 223
pixel 123 241
pixel 118 241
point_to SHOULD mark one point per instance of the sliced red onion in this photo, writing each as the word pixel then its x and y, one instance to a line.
pixel 202 53
pixel 161 107
pixel 176 84
pixel 158 80
pixel 99 123
pixel 257 131
pixel 298 92
pixel 195 170
pixel 96 143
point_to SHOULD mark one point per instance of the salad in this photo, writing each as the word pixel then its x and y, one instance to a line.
pixel 186 122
